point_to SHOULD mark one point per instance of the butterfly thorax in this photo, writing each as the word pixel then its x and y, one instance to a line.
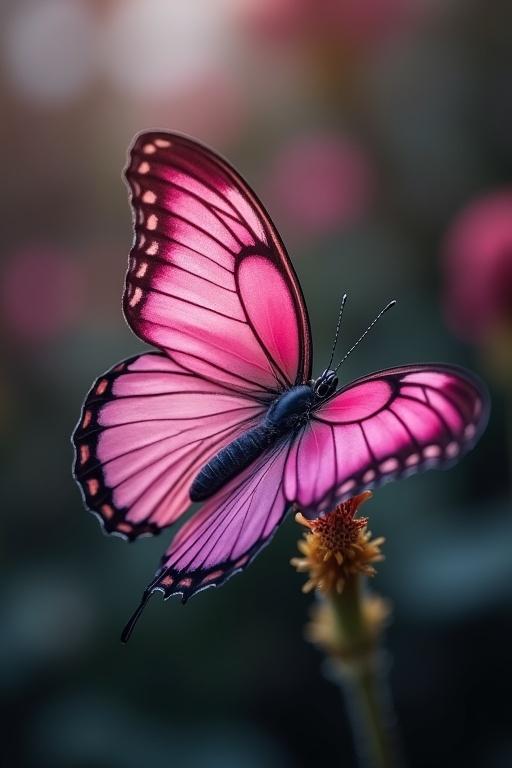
pixel 288 412
pixel 291 408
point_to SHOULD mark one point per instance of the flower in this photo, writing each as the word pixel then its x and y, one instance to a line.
pixel 321 182
pixel 361 23
pixel 337 547
pixel 478 268
pixel 347 622
pixel 42 292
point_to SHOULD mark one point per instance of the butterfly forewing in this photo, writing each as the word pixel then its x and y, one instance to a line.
pixel 209 280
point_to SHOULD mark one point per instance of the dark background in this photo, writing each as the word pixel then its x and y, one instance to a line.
pixel 367 127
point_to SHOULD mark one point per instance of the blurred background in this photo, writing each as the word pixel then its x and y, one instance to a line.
pixel 379 135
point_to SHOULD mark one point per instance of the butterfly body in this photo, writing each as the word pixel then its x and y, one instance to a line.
pixel 223 407
pixel 288 412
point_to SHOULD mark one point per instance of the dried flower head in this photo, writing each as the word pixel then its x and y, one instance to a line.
pixel 337 546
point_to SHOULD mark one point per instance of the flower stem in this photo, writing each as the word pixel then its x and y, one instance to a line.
pixel 508 406
pixel 362 673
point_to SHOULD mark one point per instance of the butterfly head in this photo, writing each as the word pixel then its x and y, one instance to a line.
pixel 326 384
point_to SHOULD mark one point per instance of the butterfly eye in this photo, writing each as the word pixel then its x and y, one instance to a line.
pixel 326 384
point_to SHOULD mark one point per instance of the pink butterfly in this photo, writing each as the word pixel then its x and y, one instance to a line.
pixel 226 411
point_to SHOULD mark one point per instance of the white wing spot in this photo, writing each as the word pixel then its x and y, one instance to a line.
pixel 390 465
pixel 369 476
pixel 93 486
pixel 136 188
pixel 152 249
pixel 432 451
pixel 348 486
pixel 163 143
pixel 143 167
pixel 149 197
pixel 137 296
pixel 452 450
pixel 102 386
pixel 141 240
pixel 149 149
pixel 152 222
pixel 470 431
pixel 143 268
pixel 412 460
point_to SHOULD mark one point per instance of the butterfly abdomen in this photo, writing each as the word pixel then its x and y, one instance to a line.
pixel 283 416
pixel 232 460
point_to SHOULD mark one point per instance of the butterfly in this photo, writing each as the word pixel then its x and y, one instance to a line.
pixel 224 409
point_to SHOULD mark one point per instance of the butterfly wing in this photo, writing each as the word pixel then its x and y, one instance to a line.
pixel 226 534
pixel 381 427
pixel 146 429
pixel 210 284
pixel 209 281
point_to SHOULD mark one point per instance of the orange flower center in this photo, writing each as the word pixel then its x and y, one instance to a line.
pixel 337 547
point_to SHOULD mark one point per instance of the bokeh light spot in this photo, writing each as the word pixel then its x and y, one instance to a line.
pixel 321 182
pixel 42 293
pixel 50 49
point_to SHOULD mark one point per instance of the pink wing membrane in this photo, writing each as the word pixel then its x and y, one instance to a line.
pixel 229 530
pixel 147 428
pixel 390 424
pixel 209 281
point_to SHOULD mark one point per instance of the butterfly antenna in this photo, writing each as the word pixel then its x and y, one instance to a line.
pixel 338 327
pixel 388 306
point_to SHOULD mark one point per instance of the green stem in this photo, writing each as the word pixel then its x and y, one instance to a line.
pixel 508 406
pixel 363 679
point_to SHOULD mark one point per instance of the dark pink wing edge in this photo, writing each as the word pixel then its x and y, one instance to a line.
pixel 107 513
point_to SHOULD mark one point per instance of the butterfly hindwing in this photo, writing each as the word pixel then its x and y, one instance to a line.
pixel 146 429
pixel 384 426
pixel 226 534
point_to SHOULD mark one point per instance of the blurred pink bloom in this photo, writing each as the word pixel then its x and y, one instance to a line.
pixel 320 183
pixel 373 21
pixel 273 19
pixel 478 267
pixel 361 22
pixel 42 292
